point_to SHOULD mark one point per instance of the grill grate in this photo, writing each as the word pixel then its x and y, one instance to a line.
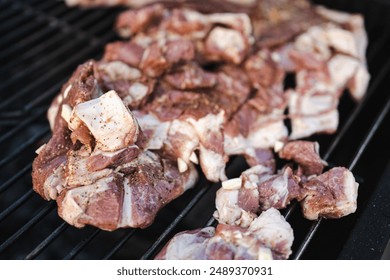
pixel 42 42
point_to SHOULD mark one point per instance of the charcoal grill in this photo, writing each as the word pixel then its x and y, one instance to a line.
pixel 42 42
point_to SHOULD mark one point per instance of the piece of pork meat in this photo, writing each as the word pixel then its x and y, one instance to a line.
pixel 95 165
pixel 304 153
pixel 267 237
pixel 82 86
pixel 132 86
pixel 326 61
pixel 216 37
pixel 332 194
pixel 257 126
pixel 192 124
pixel 257 189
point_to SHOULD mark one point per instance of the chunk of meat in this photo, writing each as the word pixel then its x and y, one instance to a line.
pixel 129 83
pixel 130 53
pixel 258 189
pixel 187 245
pixel 112 124
pixel 226 44
pixel 268 237
pixel 332 194
pixel 82 86
pixel 193 123
pixel 112 182
pixel 256 126
pixel 191 76
pixel 134 21
pixel 305 153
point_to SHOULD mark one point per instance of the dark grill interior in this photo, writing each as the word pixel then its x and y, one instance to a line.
pixel 42 42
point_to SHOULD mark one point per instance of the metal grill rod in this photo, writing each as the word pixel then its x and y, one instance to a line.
pixel 28 11
pixel 14 178
pixel 119 244
pixel 37 65
pixel 12 13
pixel 16 204
pixel 35 219
pixel 23 147
pixel 15 21
pixel 81 245
pixel 48 240
pixel 39 113
pixel 42 34
pixel 72 60
pixel 50 93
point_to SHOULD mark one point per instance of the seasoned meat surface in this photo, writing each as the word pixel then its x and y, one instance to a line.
pixel 95 165
pixel 267 237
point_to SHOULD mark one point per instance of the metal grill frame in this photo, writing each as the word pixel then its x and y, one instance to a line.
pixel 93 30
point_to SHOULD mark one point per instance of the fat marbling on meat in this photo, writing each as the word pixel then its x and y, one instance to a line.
pixel 109 181
pixel 267 237
pixel 332 194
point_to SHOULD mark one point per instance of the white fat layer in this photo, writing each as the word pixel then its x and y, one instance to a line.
pixel 232 184
pixel 213 164
pixel 359 83
pixel 75 202
pixel 55 183
pixel 194 158
pixel 66 91
pixel 37 151
pixel 341 69
pixel 234 145
pixel 231 42
pixel 354 21
pixel 278 146
pixel 305 125
pixel 191 178
pixel 228 211
pixel 314 41
pixel 280 185
pixel 158 130
pixel 187 246
pixel 258 171
pixel 181 165
pixel 66 112
pixel 188 131
pixel 350 192
pixel 238 21
pixel 268 132
pixel 137 92
pixel 265 253
pixel 118 70
pixel 226 203
pixel 110 122
pixel 127 207
pixel 342 41
pixel 273 230
pixel 53 110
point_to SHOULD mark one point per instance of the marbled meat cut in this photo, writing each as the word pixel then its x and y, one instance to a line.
pixel 194 84
pixel 95 165
pixel 267 237
pixel 332 194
